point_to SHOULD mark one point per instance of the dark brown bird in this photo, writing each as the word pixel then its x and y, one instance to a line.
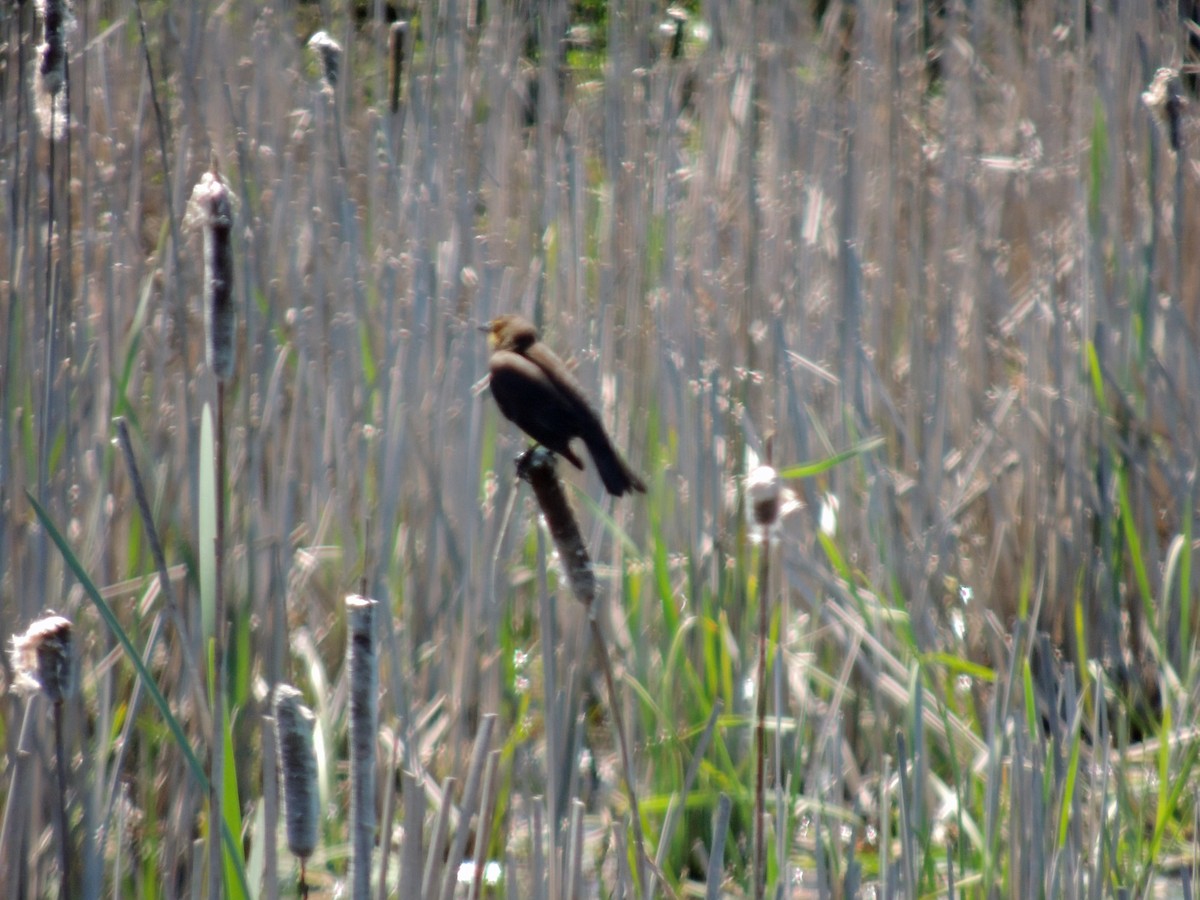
pixel 533 389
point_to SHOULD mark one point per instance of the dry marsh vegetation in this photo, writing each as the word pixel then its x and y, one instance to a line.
pixel 938 255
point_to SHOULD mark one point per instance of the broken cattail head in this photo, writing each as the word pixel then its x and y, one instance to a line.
pixel 213 209
pixel 362 661
pixel 41 658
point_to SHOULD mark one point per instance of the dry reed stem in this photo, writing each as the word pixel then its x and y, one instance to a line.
pixel 470 799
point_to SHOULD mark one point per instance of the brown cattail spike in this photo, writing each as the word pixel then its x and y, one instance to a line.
pixel 537 467
pixel 54 51
pixel 329 52
pixel 213 201
pixel 1165 102
pixel 294 724
pixel 364 692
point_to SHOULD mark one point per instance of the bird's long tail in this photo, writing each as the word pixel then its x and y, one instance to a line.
pixel 616 474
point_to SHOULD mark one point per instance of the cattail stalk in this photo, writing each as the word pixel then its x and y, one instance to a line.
pixel 51 111
pixel 294 723
pixel 362 660
pixel 411 869
pixel 487 810
pixel 397 36
pixel 470 798
pixel 215 212
pixel 537 468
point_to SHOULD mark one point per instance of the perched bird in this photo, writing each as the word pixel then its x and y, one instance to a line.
pixel 533 389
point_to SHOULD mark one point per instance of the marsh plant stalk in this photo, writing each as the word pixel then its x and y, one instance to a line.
pixel 537 467
pixel 760 737
pixel 218 675
pixel 64 835
pixel 216 215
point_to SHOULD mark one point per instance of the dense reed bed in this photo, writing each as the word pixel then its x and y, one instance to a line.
pixel 934 258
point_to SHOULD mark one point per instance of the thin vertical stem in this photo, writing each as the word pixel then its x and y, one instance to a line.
pixel 760 731
pixel 218 671
pixel 64 854
pixel 643 861
pixel 51 324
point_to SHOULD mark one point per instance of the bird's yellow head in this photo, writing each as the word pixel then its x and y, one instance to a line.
pixel 510 332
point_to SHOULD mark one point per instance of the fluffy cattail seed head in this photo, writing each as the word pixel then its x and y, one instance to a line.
pixel 294 724
pixel 50 99
pixel 329 52
pixel 41 658
pixel 1165 102
pixel 763 494
pixel 213 209
pixel 53 52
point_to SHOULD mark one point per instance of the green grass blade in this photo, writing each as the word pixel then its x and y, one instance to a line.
pixel 817 467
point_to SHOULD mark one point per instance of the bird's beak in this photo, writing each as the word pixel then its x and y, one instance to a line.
pixel 486 328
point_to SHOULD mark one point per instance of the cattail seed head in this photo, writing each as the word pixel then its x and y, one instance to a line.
pixel 363 667
pixel 676 22
pixel 53 51
pixel 329 52
pixel 763 494
pixel 51 100
pixel 294 724
pixel 213 209
pixel 41 658
pixel 1165 102
pixel 538 468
